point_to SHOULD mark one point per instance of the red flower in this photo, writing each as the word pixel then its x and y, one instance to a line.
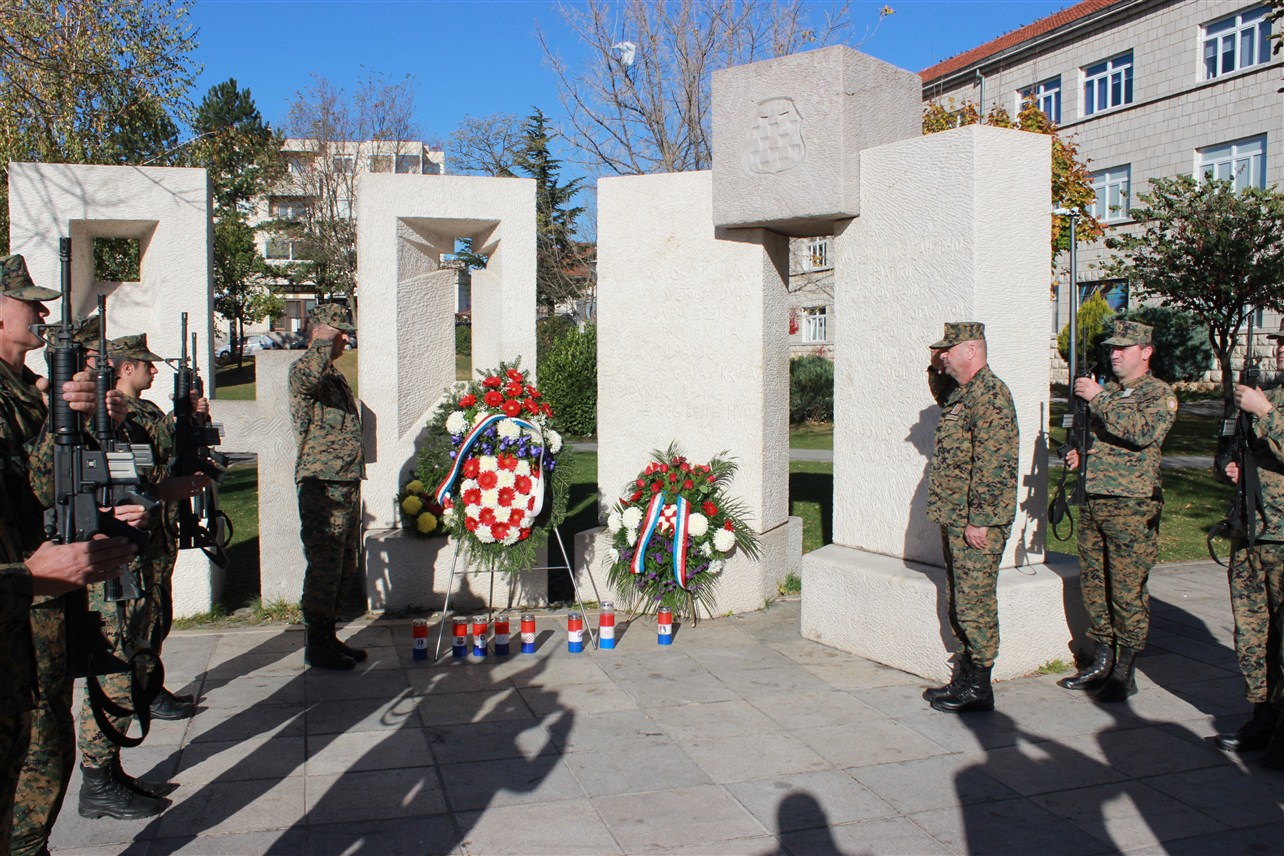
pixel 512 407
pixel 471 468
pixel 470 524
pixel 532 392
pixel 487 480
pixel 472 497
pixel 513 390
pixel 523 534
pixel 655 488
pixel 636 496
pixel 673 477
pixel 487 515
pixel 516 516
pixel 492 382
pixel 508 462
pixel 548 411
pixel 532 406
pixel 688 484
pixel 494 398
pixel 499 530
pixel 711 479
pixel 506 495
pixel 730 525
pixel 686 468
pixel 514 375
pixel 709 509
pixel 641 483
pixel 664 468
pixel 523 484
pixel 447 504
pixel 468 400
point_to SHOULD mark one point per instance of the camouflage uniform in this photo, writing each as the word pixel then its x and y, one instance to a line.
pixel 329 469
pixel 1119 521
pixel 1257 574
pixel 973 481
pixel 145 424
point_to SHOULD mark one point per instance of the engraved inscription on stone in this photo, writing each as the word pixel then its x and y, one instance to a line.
pixel 775 141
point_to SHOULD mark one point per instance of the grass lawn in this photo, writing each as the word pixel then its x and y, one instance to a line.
pixel 1191 434
pixel 463 367
pixel 812 435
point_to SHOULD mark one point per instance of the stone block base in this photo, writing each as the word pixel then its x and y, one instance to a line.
pixel 895 612
pixel 197 584
pixel 406 572
pixel 747 584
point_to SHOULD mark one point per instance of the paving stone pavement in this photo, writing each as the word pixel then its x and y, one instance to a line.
pixel 740 738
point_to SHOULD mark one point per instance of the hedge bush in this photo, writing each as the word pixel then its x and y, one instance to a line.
pixel 549 331
pixel 1095 319
pixel 811 390
pixel 463 340
pixel 568 379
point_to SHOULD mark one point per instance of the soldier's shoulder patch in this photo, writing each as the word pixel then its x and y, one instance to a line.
pixel 1172 403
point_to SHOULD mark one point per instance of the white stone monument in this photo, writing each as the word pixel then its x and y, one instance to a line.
pixel 167 211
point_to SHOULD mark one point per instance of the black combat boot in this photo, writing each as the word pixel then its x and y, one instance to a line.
pixel 320 653
pixel 962 663
pixel 356 654
pixel 141 786
pixel 102 795
pixel 1273 757
pixel 1123 678
pixel 1092 675
pixel 972 694
pixel 1254 734
pixel 171 707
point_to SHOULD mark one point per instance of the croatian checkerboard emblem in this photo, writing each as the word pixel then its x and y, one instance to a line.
pixel 775 137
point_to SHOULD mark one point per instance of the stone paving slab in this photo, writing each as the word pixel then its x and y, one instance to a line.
pixel 740 738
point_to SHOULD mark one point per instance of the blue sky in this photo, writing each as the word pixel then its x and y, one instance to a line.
pixel 483 56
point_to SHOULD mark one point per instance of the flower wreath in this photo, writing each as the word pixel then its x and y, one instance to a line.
pixel 672 532
pixel 494 462
pixel 420 512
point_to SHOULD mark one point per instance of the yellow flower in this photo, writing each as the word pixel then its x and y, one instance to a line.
pixel 412 505
pixel 426 523
pixel 415 486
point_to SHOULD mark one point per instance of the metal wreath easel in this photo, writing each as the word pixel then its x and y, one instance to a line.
pixel 512 583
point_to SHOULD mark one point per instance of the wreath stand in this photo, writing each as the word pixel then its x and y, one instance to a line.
pixel 490 609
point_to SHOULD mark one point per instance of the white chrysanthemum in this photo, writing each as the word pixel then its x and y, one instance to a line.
pixel 472 511
pixel 697 525
pixel 706 549
pixel 467 485
pixel 523 468
pixel 490 498
pixel 508 429
pixel 716 566
pixel 723 540
pixel 632 535
pixel 448 516
pixel 505 478
pixel 554 441
pixel 483 534
pixel 631 518
pixel 612 555
pixel 614 522
pixel 481 417
pixel 511 538
pixel 457 422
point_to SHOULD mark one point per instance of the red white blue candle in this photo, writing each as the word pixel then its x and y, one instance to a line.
pixel 480 635
pixel 419 633
pixel 606 626
pixel 459 643
pixel 501 636
pixel 528 633
pixel 664 626
pixel 574 633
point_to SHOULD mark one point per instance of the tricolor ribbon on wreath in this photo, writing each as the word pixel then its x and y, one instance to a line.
pixel 462 453
pixel 651 521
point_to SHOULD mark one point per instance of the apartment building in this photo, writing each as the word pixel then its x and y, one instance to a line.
pixel 1146 88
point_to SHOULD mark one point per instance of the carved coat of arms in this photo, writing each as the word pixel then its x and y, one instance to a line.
pixel 775 141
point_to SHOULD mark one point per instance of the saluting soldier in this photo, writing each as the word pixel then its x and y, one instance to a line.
pixel 1119 521
pixel 971 493
pixel 328 471
pixel 1256 577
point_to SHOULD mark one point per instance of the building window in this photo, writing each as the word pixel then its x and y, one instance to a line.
pixel 381 163
pixel 1046 96
pixel 1243 162
pixel 1239 41
pixel 818 254
pixel 408 164
pixel 1111 187
pixel 815 324
pixel 1107 85
pixel 344 165
pixel 284 250
pixel 290 209
pixel 299 164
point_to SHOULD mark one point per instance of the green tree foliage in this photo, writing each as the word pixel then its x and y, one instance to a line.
pixel 241 292
pixel 1207 249
pixel 568 380
pixel 1095 317
pixel 811 389
pixel 1182 351
pixel 91 81
pixel 1071 181
pixel 549 331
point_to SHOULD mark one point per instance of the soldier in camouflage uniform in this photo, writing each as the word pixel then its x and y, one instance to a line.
pixel 34 795
pixel 971 493
pixel 329 470
pixel 106 789
pixel 1256 576
pixel 1119 521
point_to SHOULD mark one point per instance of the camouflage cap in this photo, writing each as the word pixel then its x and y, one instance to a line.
pixel 15 282
pixel 959 331
pixel 335 315
pixel 87 331
pixel 132 348
pixel 1130 333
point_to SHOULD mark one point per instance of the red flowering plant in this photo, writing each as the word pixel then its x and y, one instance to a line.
pixel 671 534
pixel 497 466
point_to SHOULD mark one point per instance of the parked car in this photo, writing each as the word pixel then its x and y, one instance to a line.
pixel 253 344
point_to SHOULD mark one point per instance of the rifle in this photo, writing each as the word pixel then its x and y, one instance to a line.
pixel 1235 445
pixel 87 481
pixel 201 523
pixel 1075 421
